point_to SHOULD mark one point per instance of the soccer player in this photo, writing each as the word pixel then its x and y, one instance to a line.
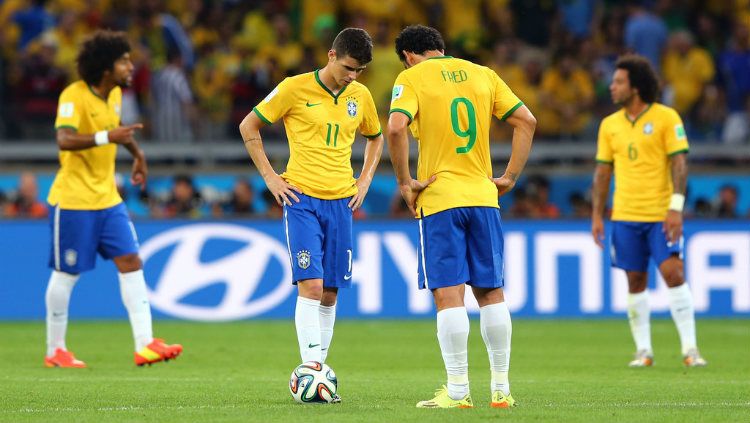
pixel 646 145
pixel 449 104
pixel 322 110
pixel 87 215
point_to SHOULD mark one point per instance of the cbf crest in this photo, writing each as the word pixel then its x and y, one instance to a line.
pixel 303 259
pixel 351 106
pixel 648 128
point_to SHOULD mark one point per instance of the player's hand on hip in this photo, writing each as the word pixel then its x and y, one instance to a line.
pixel 282 191
pixel 123 134
pixel 672 226
pixel 597 230
pixel 410 191
pixel 140 172
pixel 504 184
pixel 359 197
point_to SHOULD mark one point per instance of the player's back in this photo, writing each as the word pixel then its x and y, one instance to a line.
pixel 451 102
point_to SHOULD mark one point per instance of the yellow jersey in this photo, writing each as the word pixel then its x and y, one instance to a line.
pixel 320 128
pixel 86 179
pixel 640 152
pixel 450 103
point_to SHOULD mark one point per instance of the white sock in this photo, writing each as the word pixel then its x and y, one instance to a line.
pixel 307 321
pixel 135 297
pixel 494 321
pixel 639 315
pixel 453 336
pixel 56 299
pixel 327 319
pixel 683 314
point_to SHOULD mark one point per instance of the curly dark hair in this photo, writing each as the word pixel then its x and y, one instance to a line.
pixel 418 39
pixel 355 43
pixel 641 75
pixel 99 53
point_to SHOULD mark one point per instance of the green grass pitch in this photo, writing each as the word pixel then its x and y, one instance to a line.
pixel 562 370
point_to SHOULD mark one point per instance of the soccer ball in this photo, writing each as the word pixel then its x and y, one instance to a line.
pixel 313 382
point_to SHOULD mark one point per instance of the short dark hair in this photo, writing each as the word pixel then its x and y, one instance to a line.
pixel 641 75
pixel 99 53
pixel 355 43
pixel 418 39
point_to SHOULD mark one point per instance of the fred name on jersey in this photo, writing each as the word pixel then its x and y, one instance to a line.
pixel 454 76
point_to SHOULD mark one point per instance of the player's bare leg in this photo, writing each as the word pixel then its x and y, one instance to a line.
pixel 134 294
pixel 639 316
pixel 496 327
pixel 681 307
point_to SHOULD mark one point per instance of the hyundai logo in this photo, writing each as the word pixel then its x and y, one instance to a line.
pixel 243 271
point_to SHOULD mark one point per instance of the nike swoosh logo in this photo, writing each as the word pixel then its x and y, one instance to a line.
pixel 311 105
pixel 347 277
pixel 312 345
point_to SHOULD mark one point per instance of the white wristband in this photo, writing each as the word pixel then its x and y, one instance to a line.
pixel 101 138
pixel 677 203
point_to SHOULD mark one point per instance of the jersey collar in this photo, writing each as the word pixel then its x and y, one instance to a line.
pixel 632 122
pixel 335 96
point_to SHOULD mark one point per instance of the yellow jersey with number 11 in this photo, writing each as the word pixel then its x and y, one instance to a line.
pixel 640 152
pixel 450 103
pixel 320 128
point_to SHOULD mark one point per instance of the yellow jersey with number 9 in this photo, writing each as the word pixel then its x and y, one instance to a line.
pixel 86 179
pixel 320 128
pixel 640 152
pixel 450 103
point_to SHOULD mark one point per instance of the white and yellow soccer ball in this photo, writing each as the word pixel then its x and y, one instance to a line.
pixel 313 382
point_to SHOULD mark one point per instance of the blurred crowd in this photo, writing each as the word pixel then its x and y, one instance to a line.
pixel 183 198
pixel 201 65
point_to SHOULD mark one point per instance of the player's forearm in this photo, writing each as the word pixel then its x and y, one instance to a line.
pixel 524 125
pixel 373 151
pixel 600 190
pixel 69 141
pixel 254 147
pixel 134 149
pixel 679 173
pixel 398 149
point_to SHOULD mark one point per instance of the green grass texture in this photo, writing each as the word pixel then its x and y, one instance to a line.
pixel 561 371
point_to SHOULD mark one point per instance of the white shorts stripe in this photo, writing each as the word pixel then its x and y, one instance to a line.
pixel 56 237
pixel 421 244
pixel 286 230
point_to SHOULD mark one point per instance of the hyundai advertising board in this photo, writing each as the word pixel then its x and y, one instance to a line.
pixel 231 270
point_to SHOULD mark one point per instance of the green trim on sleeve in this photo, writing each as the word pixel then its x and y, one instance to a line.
pixel 260 115
pixel 66 127
pixel 396 109
pixel 373 136
pixel 684 150
pixel 604 161
pixel 510 112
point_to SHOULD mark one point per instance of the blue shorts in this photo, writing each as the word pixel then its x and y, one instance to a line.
pixel 319 237
pixel 78 235
pixel 461 245
pixel 634 242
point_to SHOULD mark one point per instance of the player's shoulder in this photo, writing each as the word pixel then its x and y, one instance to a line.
pixel 299 80
pixel 664 110
pixel 613 118
pixel 356 87
pixel 75 89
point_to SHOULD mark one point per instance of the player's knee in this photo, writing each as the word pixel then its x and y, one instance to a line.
pixel 311 288
pixel 128 263
pixel 637 282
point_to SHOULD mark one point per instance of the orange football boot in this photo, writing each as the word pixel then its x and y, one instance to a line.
pixel 157 351
pixel 63 358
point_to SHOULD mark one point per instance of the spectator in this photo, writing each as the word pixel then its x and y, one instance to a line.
pixel 240 203
pixel 184 200
pixel 32 21
pixel 734 74
pixel 645 33
pixel 522 208
pixel 687 69
pixel 174 110
pixel 538 189
pixel 580 206
pixel 702 208
pixel 726 206
pixel 567 97
pixel 398 208
pixel 26 203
